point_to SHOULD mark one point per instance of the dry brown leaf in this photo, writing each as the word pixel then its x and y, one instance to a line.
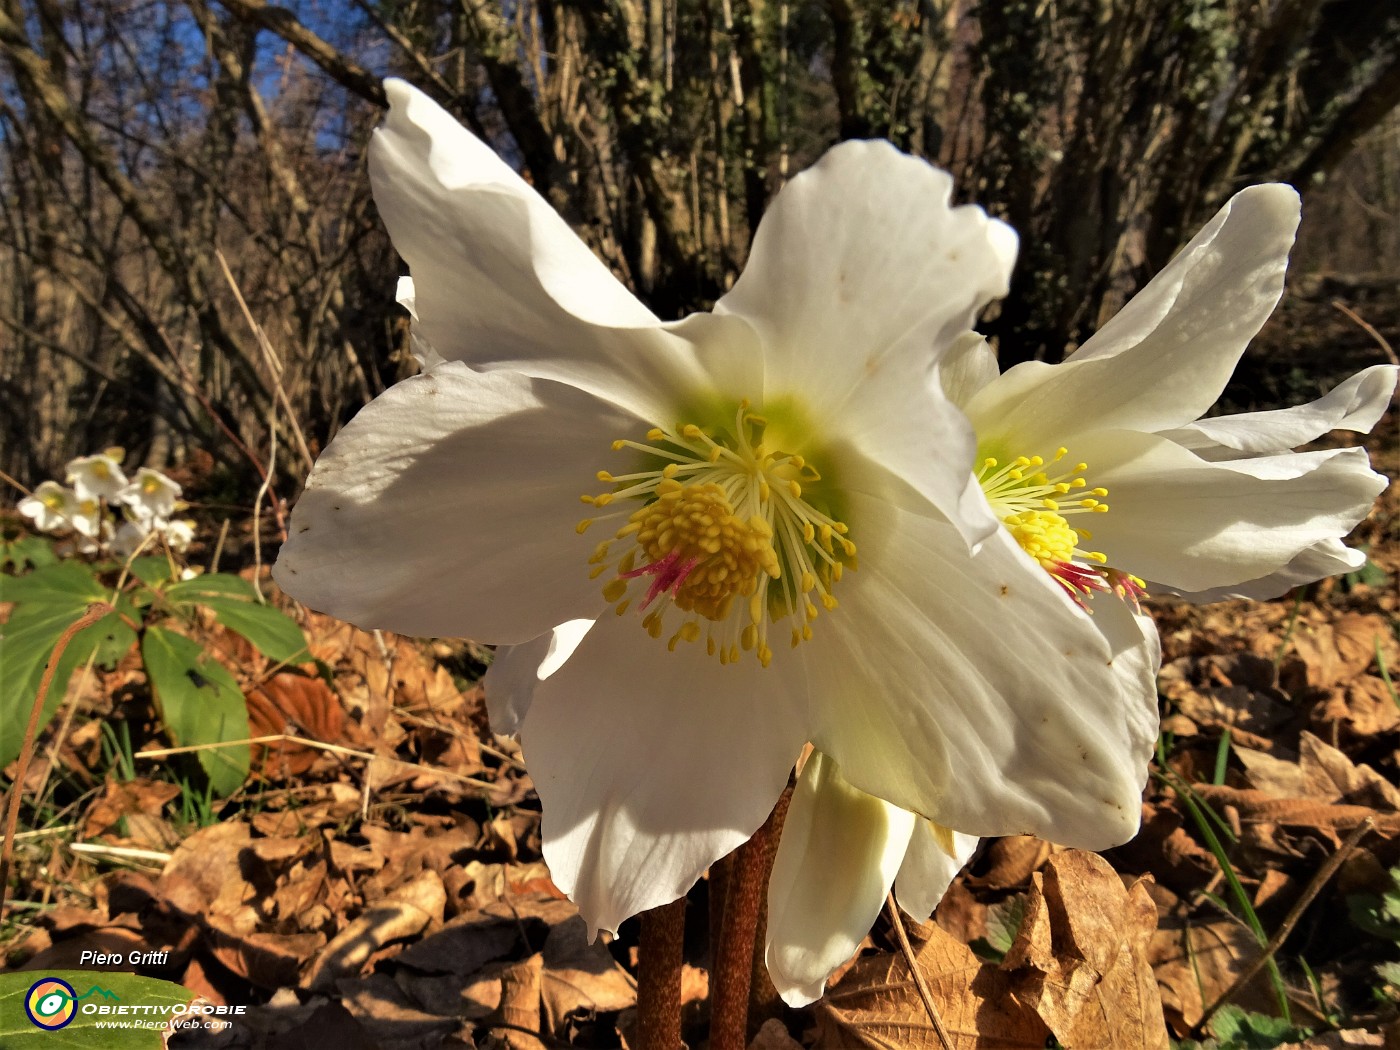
pixel 1258 807
pixel 1081 956
pixel 876 1007
pixel 389 1016
pixel 1343 1040
pixel 1331 776
pixel 1363 705
pixel 1338 651
pixel 297 704
pixel 518 1019
pixel 1278 777
pixel 1008 862
pixel 580 977
pixel 1195 962
pixel 411 908
pixel 774 1036
pixel 132 798
pixel 961 914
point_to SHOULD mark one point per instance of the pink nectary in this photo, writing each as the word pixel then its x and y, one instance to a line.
pixel 669 572
pixel 1077 580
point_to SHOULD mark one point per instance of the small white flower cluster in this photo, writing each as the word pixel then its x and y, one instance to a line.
pixel 87 507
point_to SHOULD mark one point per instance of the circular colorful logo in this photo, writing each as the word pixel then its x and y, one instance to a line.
pixel 51 1004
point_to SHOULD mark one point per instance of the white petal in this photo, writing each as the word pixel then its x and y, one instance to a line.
pixel 967 367
pixel 936 855
pixel 651 765
pixel 516 670
pixel 1325 558
pixel 1165 358
pixel 1356 404
pixel 418 345
pixel 448 507
pixel 499 279
pixel 861 275
pixel 838 855
pixel 973 691
pixel 1195 526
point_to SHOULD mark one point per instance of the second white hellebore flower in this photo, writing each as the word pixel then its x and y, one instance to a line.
pixel 1208 508
pixel 777 511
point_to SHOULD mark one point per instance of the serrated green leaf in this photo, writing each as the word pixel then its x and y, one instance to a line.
pixel 1239 1029
pixel 200 703
pixel 30 552
pixel 197 590
pixel 27 640
pixel 146 998
pixel 65 583
pixel 274 633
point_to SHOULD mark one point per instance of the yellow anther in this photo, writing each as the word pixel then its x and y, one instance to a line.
pixel 1099 492
pixel 713 538
pixel 1102 508
pixel 1061 453
pixel 582 526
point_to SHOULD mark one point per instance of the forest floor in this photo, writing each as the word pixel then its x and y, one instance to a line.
pixel 378 881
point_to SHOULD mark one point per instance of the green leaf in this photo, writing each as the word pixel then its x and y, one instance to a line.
pixel 30 552
pixel 197 590
pixel 274 633
pixel 200 703
pixel 145 999
pixel 1238 1029
pixel 65 583
pixel 234 604
pixel 26 641
pixel 152 570
pixel 1389 974
pixel 1004 921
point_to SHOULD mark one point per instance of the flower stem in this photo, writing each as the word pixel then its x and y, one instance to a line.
pixel 732 973
pixel 659 977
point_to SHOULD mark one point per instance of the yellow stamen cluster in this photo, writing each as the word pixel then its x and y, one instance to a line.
pixel 725 536
pixel 1034 500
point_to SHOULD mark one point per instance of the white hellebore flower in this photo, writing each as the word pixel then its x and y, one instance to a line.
pixel 1205 508
pixel 97 477
pixel 1210 508
pixel 151 496
pixel 733 466
pixel 49 507
pixel 178 534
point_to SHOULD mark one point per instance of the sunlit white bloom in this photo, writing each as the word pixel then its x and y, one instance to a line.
pixel 97 477
pixel 1211 508
pixel 49 507
pixel 151 495
pixel 732 466
pixel 1205 508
